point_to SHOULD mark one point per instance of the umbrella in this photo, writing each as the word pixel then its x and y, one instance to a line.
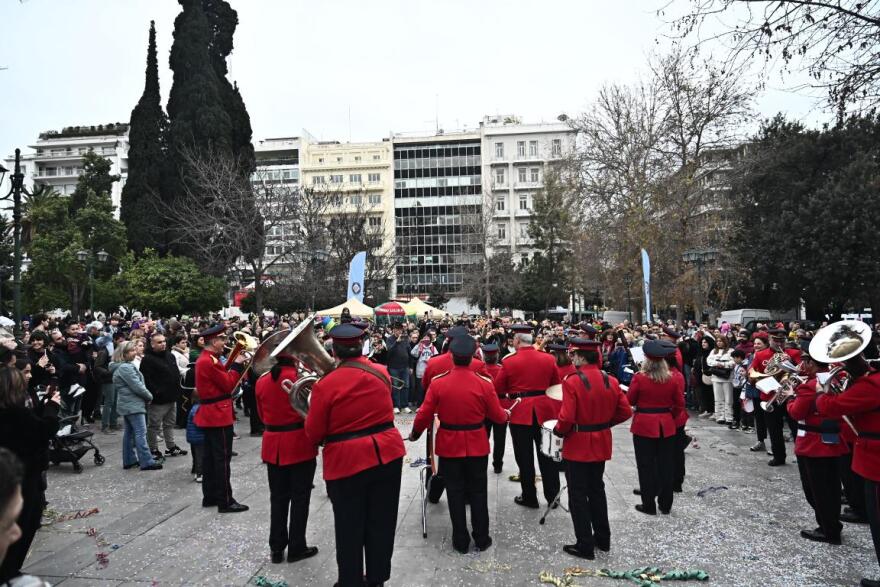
pixel 391 309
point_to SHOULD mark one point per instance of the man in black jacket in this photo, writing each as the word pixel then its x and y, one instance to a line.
pixel 162 378
pixel 398 367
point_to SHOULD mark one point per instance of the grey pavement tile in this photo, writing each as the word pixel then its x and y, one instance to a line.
pixel 77 582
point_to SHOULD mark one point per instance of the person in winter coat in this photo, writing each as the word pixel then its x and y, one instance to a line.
pixel 422 353
pixel 101 371
pixel 162 378
pixel 721 365
pixel 131 403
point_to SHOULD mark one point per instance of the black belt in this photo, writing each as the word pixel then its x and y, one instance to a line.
pixel 653 410
pixel 523 394
pixel 285 427
pixel 870 435
pixel 358 433
pixel 592 427
pixel 214 400
pixel 446 426
pixel 819 429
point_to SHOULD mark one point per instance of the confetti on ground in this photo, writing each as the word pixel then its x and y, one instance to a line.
pixel 261 581
pixel 103 559
pixel 711 489
pixel 644 576
pixel 53 517
pixel 488 566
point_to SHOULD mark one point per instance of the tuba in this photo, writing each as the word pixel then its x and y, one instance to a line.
pixel 313 362
pixel 791 378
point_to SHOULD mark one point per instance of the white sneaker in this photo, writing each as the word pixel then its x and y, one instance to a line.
pixel 710 416
pixel 198 479
pixel 407 411
pixel 396 411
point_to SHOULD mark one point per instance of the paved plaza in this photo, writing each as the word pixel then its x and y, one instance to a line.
pixel 151 529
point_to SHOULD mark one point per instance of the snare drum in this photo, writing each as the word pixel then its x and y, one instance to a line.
pixel 551 445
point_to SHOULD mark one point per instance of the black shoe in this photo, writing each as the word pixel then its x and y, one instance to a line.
pixel 573 550
pixel 232 508
pixel 848 515
pixel 485 545
pixel 818 536
pixel 233 454
pixel 153 467
pixel 664 512
pixel 277 556
pixel 257 433
pixel 774 462
pixel 462 550
pixel 131 466
pixel 869 583
pixel 497 469
pixel 637 491
pixel 677 489
pixel 175 451
pixel 519 500
pixel 207 503
pixel 309 552
pixel 603 545
pixel 644 510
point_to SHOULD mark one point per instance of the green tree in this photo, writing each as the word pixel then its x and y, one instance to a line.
pixel 552 227
pixel 169 285
pixel 146 162
pixel 96 178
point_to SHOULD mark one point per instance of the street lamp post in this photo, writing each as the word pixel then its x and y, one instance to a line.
pixel 87 257
pixel 699 258
pixel 4 273
pixel 17 180
pixel 627 280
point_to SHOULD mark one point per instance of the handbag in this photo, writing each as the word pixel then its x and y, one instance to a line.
pixel 706 379
pixel 721 372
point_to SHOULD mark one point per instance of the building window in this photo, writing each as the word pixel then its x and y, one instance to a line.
pixel 502 232
pixel 374 221
pixel 523 202
pixel 320 159
pixel 373 178
pixel 533 148
pixel 339 159
pixel 375 198
pixel 377 157
pixel 317 180
pixel 520 148
pixel 523 230
pixel 355 178
pixel 357 158
pixel 500 203
pixel 355 200
pixel 499 150
pixel 556 147
pixel 336 179
pixel 522 174
pixel 536 177
pixel 499 176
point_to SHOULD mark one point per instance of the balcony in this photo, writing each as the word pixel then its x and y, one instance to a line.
pixel 57 175
pixel 526 185
pixel 520 213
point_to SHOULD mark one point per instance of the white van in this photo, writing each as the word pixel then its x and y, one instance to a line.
pixel 743 316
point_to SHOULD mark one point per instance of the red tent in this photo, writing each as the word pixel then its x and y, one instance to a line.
pixel 390 309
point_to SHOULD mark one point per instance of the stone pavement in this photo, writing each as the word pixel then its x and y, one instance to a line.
pixel 154 532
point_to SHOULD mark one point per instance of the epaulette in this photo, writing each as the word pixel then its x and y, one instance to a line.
pixel 507 356
pixel 215 359
pixel 485 377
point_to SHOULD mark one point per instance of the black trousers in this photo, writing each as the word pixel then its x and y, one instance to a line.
pixel 587 504
pixel 498 434
pixel 853 484
pixel 183 406
pixel 820 478
pixel 707 397
pixel 249 400
pixel 681 443
pixel 216 487
pixel 290 490
pixel 655 459
pixel 760 420
pixel 466 483
pixel 526 441
pixel 775 421
pixel 29 521
pixel 872 508
pixel 737 406
pixel 365 516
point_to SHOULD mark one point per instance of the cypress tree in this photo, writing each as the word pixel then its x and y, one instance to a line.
pixel 146 162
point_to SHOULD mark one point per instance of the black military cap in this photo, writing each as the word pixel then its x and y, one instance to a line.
pixel 490 348
pixel 778 333
pixel 583 344
pixel 463 346
pixel 212 332
pixel 671 332
pixel 655 349
pixel 456 331
pixel 346 333
pixel 522 328
pixel 557 345
pixel 668 344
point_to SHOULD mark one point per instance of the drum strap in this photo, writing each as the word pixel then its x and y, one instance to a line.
pixel 358 433
pixel 285 427
pixel 459 427
pixel 592 427
pixel 586 381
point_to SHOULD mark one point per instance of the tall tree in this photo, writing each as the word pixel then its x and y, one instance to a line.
pixel 96 178
pixel 552 229
pixel 146 162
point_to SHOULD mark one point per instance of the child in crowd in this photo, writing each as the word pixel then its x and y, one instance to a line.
pixel 195 436
pixel 743 406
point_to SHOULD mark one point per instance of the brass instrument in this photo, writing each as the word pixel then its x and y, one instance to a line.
pixel 836 382
pixel 243 343
pixel 772 369
pixel 790 381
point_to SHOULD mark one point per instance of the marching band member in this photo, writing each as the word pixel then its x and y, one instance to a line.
pixel 860 401
pixel 443 362
pixel 215 385
pixel 526 374
pixel 775 420
pixel 351 413
pixel 497 431
pixel 656 396
pixel 681 439
pixel 462 400
pixel 818 447
pixel 290 459
pixel 670 334
pixel 592 403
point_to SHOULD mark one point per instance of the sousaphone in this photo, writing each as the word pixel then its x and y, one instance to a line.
pixel 840 341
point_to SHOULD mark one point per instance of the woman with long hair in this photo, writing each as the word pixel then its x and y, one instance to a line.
pixel 131 403
pixel 658 401
pixel 720 364
pixel 704 377
pixel 26 429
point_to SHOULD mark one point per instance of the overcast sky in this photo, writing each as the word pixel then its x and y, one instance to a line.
pixel 339 68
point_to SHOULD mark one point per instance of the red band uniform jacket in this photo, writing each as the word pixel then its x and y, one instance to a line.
pixel 273 404
pixel 861 401
pixel 212 381
pixel 582 406
pixel 348 400
pixel 682 417
pixel 803 409
pixel 460 397
pixel 528 370
pixel 644 393
pixel 443 363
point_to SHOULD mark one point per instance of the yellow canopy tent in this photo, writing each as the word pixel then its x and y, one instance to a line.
pixel 355 307
pixel 418 308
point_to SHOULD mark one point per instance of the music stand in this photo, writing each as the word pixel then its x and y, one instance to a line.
pixel 556 501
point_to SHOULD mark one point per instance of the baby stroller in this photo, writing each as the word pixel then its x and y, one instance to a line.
pixel 70 444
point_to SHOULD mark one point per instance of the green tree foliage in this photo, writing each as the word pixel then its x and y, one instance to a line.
pixel 809 204
pixel 169 285
pixel 96 178
pixel 552 228
pixel 147 164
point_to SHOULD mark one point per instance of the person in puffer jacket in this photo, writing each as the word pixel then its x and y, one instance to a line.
pixel 132 397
